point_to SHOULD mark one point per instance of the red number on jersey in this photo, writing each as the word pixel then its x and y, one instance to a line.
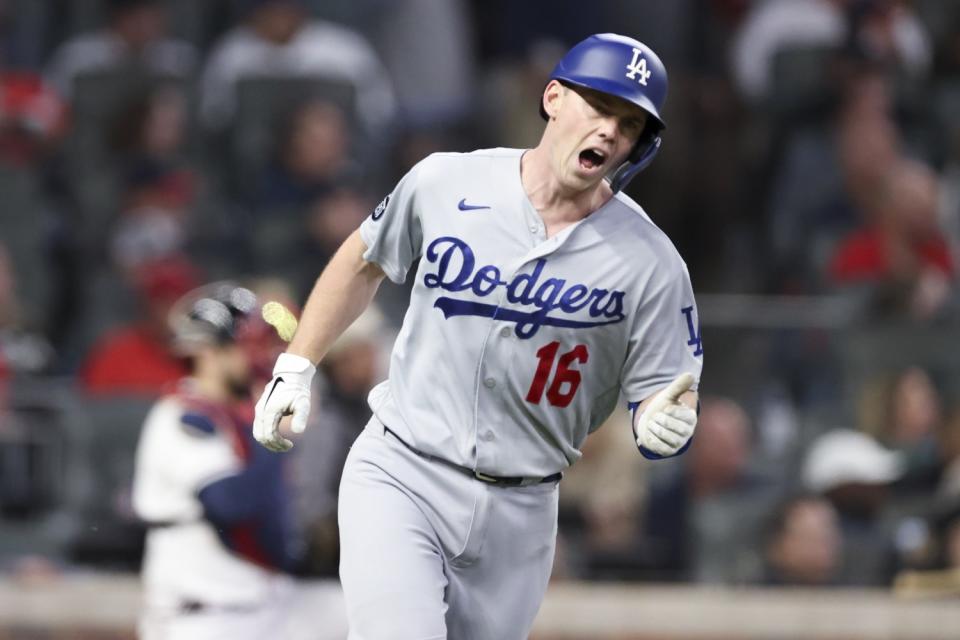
pixel 546 354
pixel 557 395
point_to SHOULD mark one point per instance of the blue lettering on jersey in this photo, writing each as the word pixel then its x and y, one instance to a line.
pixel 695 340
pixel 528 290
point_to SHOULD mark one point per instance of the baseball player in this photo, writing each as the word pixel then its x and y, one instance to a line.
pixel 219 532
pixel 542 295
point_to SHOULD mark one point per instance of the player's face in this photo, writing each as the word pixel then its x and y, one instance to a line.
pixel 595 133
pixel 235 369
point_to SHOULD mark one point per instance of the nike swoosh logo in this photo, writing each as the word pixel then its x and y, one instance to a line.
pixel 272 389
pixel 463 206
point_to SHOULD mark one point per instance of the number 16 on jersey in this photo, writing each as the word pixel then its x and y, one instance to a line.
pixel 566 379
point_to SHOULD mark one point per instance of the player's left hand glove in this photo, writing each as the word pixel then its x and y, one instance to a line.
pixel 666 424
pixel 287 393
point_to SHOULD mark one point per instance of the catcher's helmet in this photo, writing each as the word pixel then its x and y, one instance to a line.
pixel 630 70
pixel 217 313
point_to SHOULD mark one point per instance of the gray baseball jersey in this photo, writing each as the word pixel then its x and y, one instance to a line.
pixel 516 346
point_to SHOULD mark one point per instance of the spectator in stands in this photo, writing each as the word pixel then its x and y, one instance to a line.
pixel 351 368
pixel 32 118
pixel 280 40
pixel 905 413
pixel 220 531
pixel 428 48
pixel 601 508
pixel 855 473
pixel 155 209
pixel 313 157
pixel 952 540
pixel 332 218
pixel 138 358
pixel 804 544
pixel 512 87
pixel 933 567
pixel 827 178
pixel 701 523
pixel 135 36
pixel 294 243
pixel 941 577
pixel 867 138
pixel 21 350
pixel 152 127
pixel 884 31
pixel 949 438
pixel 900 249
pixel 33 124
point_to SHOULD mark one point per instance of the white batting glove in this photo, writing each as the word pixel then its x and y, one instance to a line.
pixel 666 424
pixel 287 393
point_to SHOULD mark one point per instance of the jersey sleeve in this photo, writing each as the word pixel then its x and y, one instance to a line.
pixel 393 233
pixel 176 459
pixel 665 339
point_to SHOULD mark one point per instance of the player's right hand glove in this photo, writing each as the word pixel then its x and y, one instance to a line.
pixel 666 424
pixel 287 393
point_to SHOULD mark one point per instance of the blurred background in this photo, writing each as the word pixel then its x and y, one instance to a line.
pixel 810 177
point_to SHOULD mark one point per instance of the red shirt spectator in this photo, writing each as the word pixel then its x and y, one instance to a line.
pixel 31 116
pixel 131 360
pixel 901 240
pixel 864 257
pixel 138 358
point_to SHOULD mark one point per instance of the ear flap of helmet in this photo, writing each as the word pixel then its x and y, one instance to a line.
pixel 641 156
pixel 648 137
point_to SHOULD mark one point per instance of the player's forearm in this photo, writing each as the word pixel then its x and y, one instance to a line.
pixel 341 293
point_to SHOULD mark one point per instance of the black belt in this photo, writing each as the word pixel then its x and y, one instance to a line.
pixel 502 481
pixel 164 524
pixel 190 607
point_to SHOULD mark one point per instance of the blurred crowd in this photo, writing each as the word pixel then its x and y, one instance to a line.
pixel 812 149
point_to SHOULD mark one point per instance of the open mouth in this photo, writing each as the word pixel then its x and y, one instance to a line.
pixel 592 158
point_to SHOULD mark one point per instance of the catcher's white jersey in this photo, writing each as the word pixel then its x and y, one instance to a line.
pixel 515 346
pixel 185 559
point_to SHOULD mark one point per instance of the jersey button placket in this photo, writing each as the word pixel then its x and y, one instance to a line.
pixel 489 411
pixel 534 224
pixel 490 400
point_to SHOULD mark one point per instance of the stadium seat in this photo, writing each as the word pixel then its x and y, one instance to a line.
pixel 110 536
pixel 42 472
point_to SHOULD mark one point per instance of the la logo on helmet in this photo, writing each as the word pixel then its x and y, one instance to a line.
pixel 638 65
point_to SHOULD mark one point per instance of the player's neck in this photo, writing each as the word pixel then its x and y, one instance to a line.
pixel 558 204
pixel 212 390
pixel 208 383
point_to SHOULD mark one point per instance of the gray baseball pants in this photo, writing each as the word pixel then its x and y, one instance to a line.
pixel 429 553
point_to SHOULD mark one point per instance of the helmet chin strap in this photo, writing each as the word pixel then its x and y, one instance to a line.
pixel 626 171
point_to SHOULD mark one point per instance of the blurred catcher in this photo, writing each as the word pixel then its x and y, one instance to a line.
pixel 220 536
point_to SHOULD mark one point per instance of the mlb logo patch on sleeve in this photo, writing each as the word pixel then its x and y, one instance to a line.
pixel 381 208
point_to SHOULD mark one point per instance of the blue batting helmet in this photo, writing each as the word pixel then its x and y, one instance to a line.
pixel 630 70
